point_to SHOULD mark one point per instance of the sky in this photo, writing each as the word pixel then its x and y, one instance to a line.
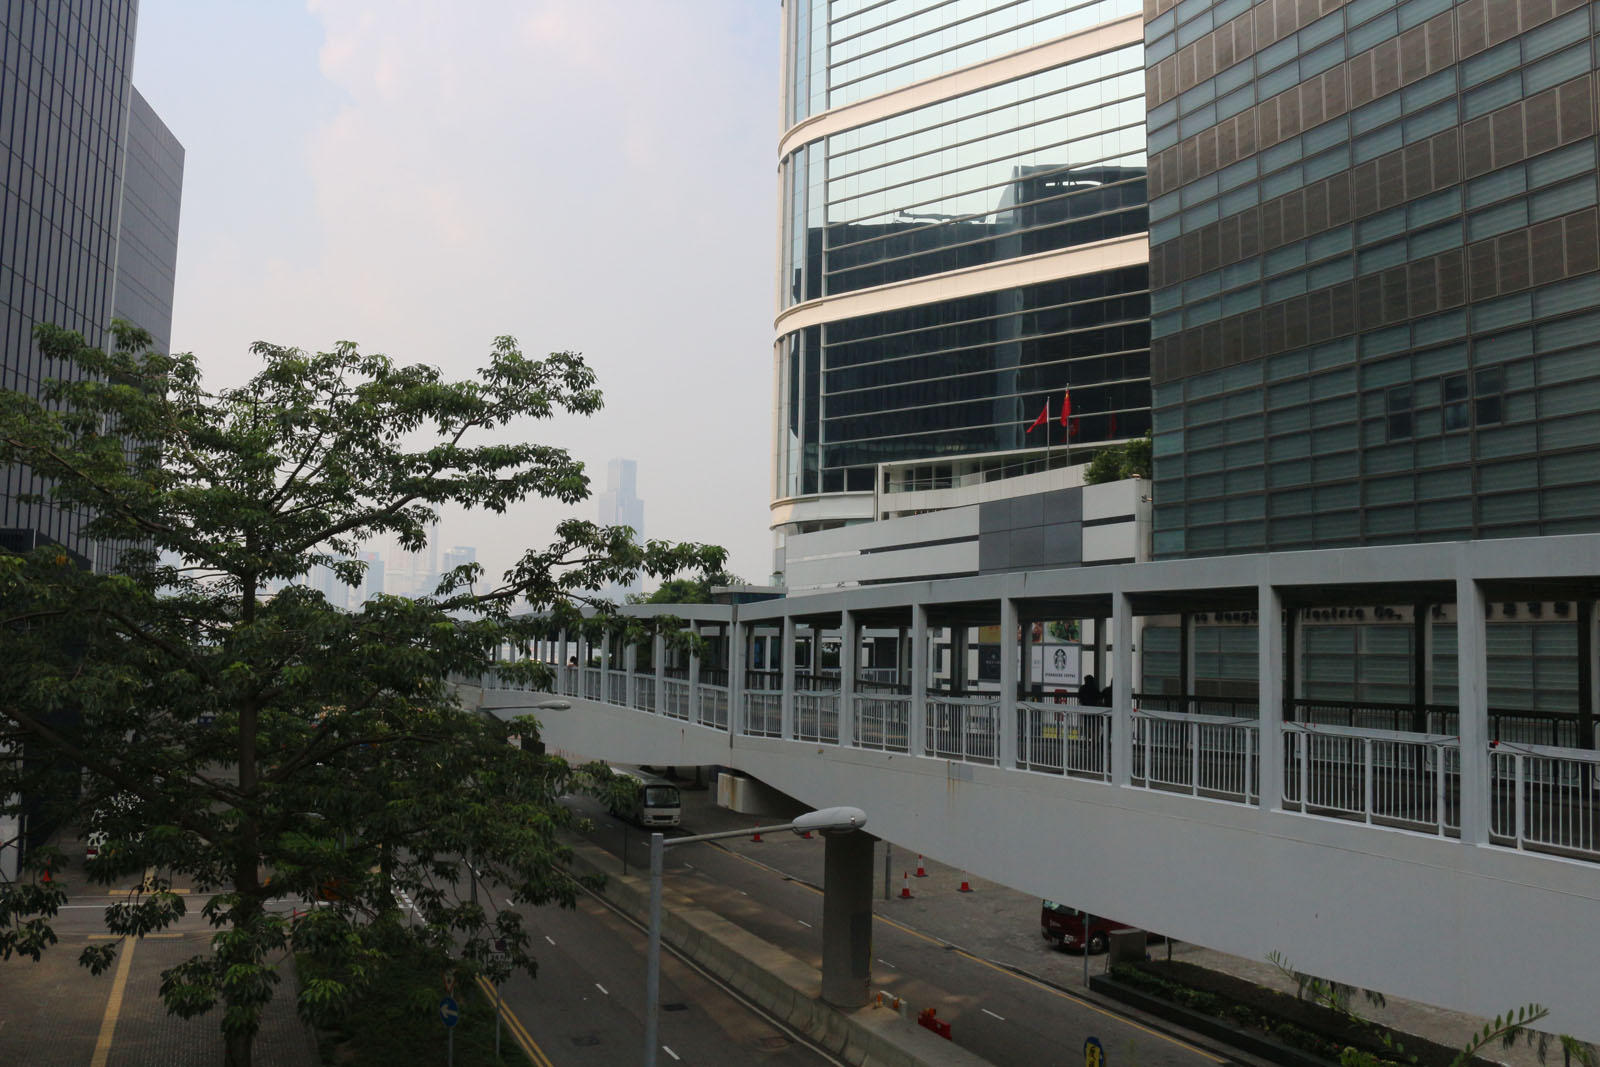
pixel 418 177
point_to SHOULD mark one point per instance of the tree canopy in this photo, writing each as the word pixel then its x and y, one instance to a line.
pixel 272 748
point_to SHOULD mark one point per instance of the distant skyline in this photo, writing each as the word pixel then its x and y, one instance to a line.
pixel 588 175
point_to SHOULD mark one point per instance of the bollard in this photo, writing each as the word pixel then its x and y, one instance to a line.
pixel 905 886
pixel 921 871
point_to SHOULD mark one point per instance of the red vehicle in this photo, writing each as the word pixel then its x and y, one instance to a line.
pixel 1063 927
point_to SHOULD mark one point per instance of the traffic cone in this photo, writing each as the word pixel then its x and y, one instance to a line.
pixel 965 888
pixel 905 886
pixel 921 873
pixel 756 838
pixel 46 878
pixel 806 834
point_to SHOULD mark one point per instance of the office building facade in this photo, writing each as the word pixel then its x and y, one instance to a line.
pixel 1374 258
pixel 90 185
pixel 962 241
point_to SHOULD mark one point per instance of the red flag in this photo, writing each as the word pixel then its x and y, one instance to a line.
pixel 1044 417
pixel 1066 405
pixel 1072 430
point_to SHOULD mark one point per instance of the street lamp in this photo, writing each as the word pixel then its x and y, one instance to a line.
pixel 827 821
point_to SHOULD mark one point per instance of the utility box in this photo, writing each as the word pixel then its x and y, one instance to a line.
pixel 1127 946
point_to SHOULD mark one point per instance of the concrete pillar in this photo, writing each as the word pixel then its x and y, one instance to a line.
pixel 847 920
pixel 916 739
pixel 1186 660
pixel 1472 678
pixel 786 714
pixel 694 676
pixel 1421 666
pixel 1269 689
pixel 1025 668
pixel 630 663
pixel 958 660
pixel 569 681
pixel 605 667
pixel 736 662
pixel 1100 651
pixel 658 657
pixel 1009 726
pixel 1121 690
pixel 849 646
pixel 1588 677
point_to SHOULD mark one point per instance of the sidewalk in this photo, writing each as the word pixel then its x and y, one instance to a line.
pixel 1002 926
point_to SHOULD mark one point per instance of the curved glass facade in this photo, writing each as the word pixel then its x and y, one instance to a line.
pixel 1052 159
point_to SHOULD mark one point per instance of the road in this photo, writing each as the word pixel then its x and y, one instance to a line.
pixel 997 1013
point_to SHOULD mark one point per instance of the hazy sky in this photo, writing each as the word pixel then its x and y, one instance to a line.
pixel 420 177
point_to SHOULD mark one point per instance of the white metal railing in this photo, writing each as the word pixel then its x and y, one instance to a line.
pixel 1545 799
pixel 644 692
pixel 713 709
pixel 1202 755
pixel 567 681
pixel 617 688
pixel 816 715
pixel 675 698
pixel 883 721
pixel 1071 740
pixel 593 684
pixel 963 728
pixel 1382 777
pixel 763 712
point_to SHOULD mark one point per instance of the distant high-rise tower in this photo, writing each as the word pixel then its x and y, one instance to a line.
pixel 620 506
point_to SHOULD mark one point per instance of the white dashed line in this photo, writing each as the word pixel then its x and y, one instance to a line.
pixel 671 1053
pixel 891 966
pixel 550 939
pixel 986 1011
pixel 602 989
pixel 802 922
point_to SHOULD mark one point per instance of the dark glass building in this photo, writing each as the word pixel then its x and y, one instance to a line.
pixel 1374 256
pixel 90 182
pixel 962 239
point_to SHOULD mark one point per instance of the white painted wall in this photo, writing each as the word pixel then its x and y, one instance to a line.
pixel 1476 929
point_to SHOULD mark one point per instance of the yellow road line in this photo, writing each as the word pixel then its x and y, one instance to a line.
pixel 1052 990
pixel 108 1025
pixel 519 1032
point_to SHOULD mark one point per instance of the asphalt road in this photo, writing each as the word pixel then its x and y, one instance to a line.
pixel 996 1013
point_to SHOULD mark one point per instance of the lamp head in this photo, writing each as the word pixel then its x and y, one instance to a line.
pixel 830 821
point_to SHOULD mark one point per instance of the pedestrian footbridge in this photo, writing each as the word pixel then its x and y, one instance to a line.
pixel 1440 844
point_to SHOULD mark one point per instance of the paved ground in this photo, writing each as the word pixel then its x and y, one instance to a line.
pixel 54 1013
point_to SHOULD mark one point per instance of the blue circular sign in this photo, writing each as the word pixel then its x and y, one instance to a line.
pixel 449 1012
pixel 1094 1053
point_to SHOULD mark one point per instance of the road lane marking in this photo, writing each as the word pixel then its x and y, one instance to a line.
pixel 602 989
pixel 519 1032
pixel 802 922
pixel 108 1024
pixel 550 939
pixel 1042 986
pixel 889 965
pixel 986 1011
pixel 671 1053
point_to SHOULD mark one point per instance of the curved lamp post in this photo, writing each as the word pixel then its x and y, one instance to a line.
pixel 825 821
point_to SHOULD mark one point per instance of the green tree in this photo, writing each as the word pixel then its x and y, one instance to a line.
pixel 688 590
pixel 272 746
pixel 1128 460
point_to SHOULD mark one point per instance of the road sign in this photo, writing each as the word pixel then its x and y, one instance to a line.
pixel 449 1013
pixel 1094 1053
pixel 501 952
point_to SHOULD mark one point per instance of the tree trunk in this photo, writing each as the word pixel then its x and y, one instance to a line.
pixel 237 1049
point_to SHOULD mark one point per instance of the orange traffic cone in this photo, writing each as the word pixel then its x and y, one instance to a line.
pixel 806 834
pixel 965 888
pixel 905 886
pixel 756 838
pixel 921 873
pixel 46 878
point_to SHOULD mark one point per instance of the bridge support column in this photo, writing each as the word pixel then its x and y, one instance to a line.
pixel 1269 693
pixel 1121 689
pixel 605 666
pixel 1588 690
pixel 849 644
pixel 1025 670
pixel 917 714
pixel 847 919
pixel 786 702
pixel 658 658
pixel 630 683
pixel 1421 666
pixel 569 683
pixel 694 676
pixel 1186 657
pixel 1472 702
pixel 958 660
pixel 737 658
pixel 1009 744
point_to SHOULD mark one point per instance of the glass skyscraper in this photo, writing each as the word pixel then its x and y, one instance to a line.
pixel 962 240
pixel 1374 257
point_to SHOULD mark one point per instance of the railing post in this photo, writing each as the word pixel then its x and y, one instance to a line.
pixel 1007 710
pixel 917 714
pixel 630 683
pixel 849 644
pixel 605 667
pixel 1186 661
pixel 786 724
pixel 736 659
pixel 1520 761
pixel 1269 682
pixel 564 672
pixel 1122 689
pixel 1473 704
pixel 694 675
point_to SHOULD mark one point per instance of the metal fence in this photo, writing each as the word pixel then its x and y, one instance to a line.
pixel 713 710
pixel 963 728
pixel 593 684
pixel 763 712
pixel 816 716
pixel 1546 800
pixel 1202 755
pixel 644 692
pixel 883 722
pixel 617 688
pixel 675 698
pixel 1383 777
pixel 1074 740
